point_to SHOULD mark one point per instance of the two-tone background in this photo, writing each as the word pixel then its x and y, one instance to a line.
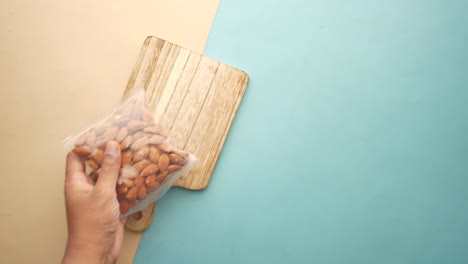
pixel 350 145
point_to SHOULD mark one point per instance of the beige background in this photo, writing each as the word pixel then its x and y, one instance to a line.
pixel 64 63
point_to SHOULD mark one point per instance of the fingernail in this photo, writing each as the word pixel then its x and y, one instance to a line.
pixel 112 148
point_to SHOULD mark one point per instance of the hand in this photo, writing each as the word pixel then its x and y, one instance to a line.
pixel 95 232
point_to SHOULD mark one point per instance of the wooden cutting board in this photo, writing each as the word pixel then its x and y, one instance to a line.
pixel 195 98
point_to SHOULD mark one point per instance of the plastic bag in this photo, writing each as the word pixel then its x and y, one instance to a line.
pixel 150 164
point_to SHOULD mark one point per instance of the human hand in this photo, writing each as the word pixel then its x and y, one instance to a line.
pixel 95 232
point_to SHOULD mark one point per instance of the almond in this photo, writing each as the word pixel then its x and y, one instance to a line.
pixel 121 197
pixel 153 185
pixel 157 139
pixel 94 175
pixel 154 154
pixel 137 135
pixel 165 147
pixel 100 143
pixel 128 183
pixel 82 151
pixel 122 134
pixel 161 176
pixel 177 159
pixel 142 192
pixel 163 133
pixel 81 139
pixel 132 193
pixel 102 128
pixel 92 164
pixel 122 189
pixel 126 143
pixel 139 181
pixel 173 168
pixel 98 156
pixel 139 143
pixel 124 207
pixel 141 154
pixel 127 157
pixel 150 180
pixel 111 133
pixel 150 169
pixel 120 120
pixel 181 153
pixel 151 130
pixel 139 166
pixel 163 162
pixel 134 125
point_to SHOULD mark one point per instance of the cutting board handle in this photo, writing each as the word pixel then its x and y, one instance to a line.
pixel 140 221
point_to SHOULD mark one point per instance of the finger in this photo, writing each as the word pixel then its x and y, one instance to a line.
pixel 110 167
pixel 74 168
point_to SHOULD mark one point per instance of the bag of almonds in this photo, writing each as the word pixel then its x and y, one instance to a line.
pixel 150 164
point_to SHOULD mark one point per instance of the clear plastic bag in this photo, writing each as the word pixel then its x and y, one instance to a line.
pixel 150 164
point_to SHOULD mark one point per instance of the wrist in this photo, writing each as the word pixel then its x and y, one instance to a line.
pixel 83 252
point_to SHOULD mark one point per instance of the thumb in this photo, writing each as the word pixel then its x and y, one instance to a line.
pixel 110 167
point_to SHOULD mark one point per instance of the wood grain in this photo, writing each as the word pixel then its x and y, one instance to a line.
pixel 195 98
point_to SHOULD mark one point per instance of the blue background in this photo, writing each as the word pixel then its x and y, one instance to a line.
pixel 350 145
